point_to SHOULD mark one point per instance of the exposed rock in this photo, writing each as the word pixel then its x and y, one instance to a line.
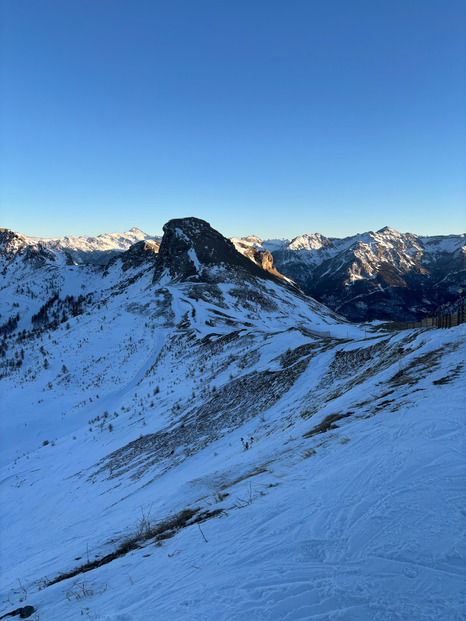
pixel 14 245
pixel 11 242
pixel 263 258
pixel 139 253
pixel 192 250
pixel 23 613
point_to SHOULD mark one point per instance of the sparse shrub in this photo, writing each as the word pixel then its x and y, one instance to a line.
pixel 247 443
pixel 244 502
pixel 84 589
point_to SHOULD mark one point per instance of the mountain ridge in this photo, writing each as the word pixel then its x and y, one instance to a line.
pixel 373 275
pixel 383 275
pixel 97 249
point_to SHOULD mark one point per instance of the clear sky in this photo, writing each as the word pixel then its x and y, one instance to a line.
pixel 261 116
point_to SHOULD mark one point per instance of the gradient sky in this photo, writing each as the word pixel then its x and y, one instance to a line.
pixel 270 117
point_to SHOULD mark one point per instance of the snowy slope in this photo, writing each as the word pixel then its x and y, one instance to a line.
pixel 323 460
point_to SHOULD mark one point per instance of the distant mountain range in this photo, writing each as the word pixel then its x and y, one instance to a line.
pixel 96 250
pixel 381 275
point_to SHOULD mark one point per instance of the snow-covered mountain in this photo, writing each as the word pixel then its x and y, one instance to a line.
pixel 382 275
pixel 185 435
pixel 95 250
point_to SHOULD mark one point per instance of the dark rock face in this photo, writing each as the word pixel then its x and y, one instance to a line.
pixel 24 613
pixel 137 255
pixel 192 250
pixel 69 258
pixel 38 255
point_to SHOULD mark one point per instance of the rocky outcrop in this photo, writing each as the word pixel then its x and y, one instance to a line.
pixel 262 258
pixel 13 245
pixel 24 612
pixel 192 250
pixel 140 253
pixel 11 242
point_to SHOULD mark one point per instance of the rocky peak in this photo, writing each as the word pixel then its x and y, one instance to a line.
pixel 144 251
pixel 264 259
pixel 13 245
pixel 309 242
pixel 192 249
pixel 389 231
pixel 11 242
pixel 253 240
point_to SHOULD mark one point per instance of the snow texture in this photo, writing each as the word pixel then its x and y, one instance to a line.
pixel 324 460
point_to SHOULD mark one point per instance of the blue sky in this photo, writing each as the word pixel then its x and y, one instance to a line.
pixel 270 117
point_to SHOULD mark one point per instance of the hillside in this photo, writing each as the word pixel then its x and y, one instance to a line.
pixel 384 275
pixel 186 435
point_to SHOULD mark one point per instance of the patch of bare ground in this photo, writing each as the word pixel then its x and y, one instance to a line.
pixel 453 374
pixel 145 531
pixel 228 408
pixel 417 369
pixel 327 424
pixel 253 473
